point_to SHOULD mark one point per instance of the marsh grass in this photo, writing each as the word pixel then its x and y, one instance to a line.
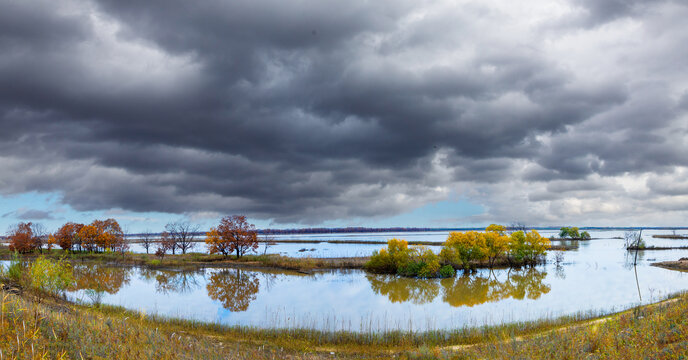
pixel 198 260
pixel 658 331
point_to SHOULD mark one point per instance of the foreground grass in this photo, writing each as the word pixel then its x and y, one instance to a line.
pixel 657 331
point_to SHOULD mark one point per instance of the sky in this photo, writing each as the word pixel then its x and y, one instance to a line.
pixel 312 113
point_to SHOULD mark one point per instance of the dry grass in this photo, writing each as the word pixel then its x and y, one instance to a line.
pixel 651 332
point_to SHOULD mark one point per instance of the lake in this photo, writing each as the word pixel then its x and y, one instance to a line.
pixel 596 277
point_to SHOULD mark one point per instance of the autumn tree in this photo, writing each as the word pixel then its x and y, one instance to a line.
pixel 496 244
pixel 234 234
pixel 101 235
pixel 22 238
pixel 528 247
pixel 110 234
pixel 461 248
pixel 67 237
pixel 182 234
pixel 88 234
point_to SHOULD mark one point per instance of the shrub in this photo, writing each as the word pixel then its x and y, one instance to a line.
pixel 570 232
pixel 154 262
pixel 399 259
pixel 422 262
pixel 51 276
pixel 388 261
pixel 14 269
pixel 447 271
pixel 585 235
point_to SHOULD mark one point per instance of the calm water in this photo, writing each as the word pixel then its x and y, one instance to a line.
pixel 598 276
pixel 327 249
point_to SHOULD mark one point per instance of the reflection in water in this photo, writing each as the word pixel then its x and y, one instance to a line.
pixel 466 290
pixel 167 281
pixel 234 288
pixel 402 289
pixel 100 278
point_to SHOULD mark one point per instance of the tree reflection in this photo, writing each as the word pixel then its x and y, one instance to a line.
pixel 402 289
pixel 98 278
pixel 177 281
pixel 234 288
pixel 470 290
pixel 466 290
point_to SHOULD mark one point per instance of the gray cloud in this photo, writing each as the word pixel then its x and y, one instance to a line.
pixel 29 215
pixel 329 111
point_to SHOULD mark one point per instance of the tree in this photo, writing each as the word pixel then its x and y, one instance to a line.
pixel 109 234
pixel 27 237
pixel 528 247
pixel 67 237
pixel 498 229
pixel 571 232
pixel 182 233
pixel 147 240
pixel 88 234
pixel 234 234
pixel 22 238
pixel 496 244
pixel 463 247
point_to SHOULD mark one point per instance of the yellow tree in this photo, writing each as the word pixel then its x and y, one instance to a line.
pixel 494 228
pixel 463 247
pixel 496 245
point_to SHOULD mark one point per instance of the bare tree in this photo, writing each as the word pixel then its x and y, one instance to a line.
pixel 147 240
pixel 269 241
pixel 40 235
pixel 182 234
pixel 518 226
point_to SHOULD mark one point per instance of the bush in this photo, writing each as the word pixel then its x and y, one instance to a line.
pixel 399 259
pixel 585 235
pixel 15 268
pixel 447 271
pixel 51 276
pixel 154 262
pixel 390 260
pixel 422 262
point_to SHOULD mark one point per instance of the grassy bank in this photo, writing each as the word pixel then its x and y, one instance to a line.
pixel 271 261
pixel 658 331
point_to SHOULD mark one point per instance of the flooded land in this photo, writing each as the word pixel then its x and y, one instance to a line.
pixel 595 277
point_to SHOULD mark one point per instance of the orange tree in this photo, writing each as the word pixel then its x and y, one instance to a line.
pixel 68 236
pixel 234 234
pixel 22 238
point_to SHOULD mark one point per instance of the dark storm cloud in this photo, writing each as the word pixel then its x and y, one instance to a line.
pixel 309 111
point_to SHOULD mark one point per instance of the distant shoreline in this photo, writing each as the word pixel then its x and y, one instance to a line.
pixel 354 230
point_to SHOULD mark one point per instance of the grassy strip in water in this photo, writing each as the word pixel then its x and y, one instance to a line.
pixel 200 259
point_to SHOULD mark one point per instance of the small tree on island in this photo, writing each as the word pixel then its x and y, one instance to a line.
pixel 234 234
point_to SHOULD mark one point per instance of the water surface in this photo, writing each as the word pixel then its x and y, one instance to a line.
pixel 598 276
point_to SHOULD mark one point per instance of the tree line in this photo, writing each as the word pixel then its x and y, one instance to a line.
pixel 234 235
